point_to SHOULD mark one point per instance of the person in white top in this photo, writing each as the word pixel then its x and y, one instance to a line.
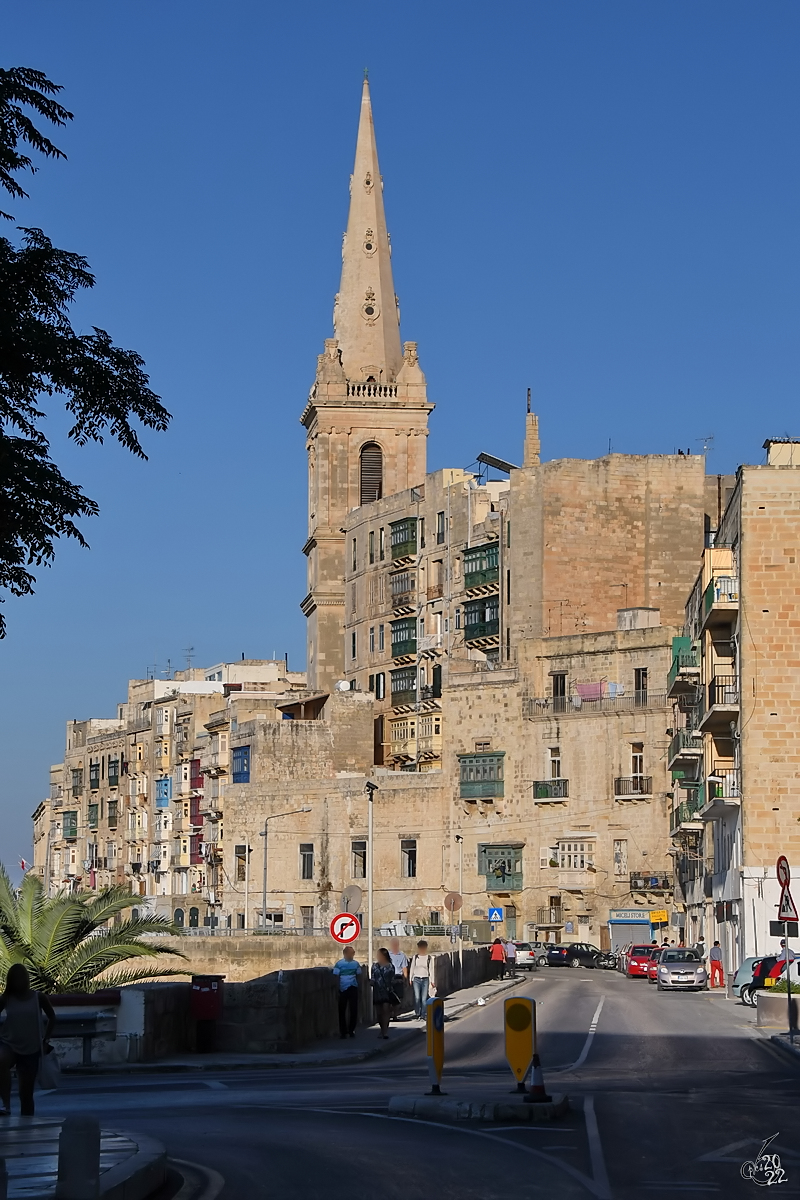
pixel 511 958
pixel 420 973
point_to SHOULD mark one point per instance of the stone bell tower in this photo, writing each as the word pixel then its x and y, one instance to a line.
pixel 367 413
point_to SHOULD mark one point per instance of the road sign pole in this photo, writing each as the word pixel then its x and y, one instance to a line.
pixel 788 981
pixel 370 920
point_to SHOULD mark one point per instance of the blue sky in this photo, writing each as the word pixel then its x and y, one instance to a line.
pixel 597 201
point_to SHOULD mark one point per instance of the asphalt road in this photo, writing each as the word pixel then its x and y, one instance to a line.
pixel 670 1095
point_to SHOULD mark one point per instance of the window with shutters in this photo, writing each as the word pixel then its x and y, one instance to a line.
pixel 371 472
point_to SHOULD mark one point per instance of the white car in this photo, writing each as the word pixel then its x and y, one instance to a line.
pixel 526 956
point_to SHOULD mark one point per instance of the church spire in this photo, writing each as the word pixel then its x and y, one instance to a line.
pixel 366 316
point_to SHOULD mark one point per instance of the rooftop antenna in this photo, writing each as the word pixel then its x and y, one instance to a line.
pixel 189 652
pixel 168 670
pixel 529 399
pixel 707 441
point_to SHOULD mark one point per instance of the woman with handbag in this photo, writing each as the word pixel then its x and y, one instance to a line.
pixel 384 996
pixel 22 1041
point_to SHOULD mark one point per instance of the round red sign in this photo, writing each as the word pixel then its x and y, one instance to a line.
pixel 345 928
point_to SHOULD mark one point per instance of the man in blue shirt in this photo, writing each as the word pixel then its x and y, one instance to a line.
pixel 348 971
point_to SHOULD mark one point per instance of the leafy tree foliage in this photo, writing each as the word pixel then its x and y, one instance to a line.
pixel 68 941
pixel 105 388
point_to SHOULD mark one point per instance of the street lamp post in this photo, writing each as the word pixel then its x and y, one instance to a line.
pixel 370 789
pixel 274 816
pixel 460 841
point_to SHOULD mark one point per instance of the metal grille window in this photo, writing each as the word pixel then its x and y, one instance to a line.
pixel 408 858
pixel 358 860
pixel 241 764
pixel 371 473
pixel 306 860
pixel 575 856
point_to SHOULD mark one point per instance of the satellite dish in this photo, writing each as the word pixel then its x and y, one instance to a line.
pixel 351 898
pixel 342 685
pixel 453 902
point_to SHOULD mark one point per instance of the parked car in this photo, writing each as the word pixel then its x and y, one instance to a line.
pixel 681 969
pixel 743 977
pixel 767 972
pixel 578 954
pixel 638 961
pixel 652 969
pixel 526 956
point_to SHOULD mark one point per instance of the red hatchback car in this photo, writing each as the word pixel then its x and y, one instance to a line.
pixel 639 961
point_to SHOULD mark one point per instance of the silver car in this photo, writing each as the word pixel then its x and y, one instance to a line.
pixel 680 969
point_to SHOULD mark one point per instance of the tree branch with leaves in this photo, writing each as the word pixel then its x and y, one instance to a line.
pixel 105 388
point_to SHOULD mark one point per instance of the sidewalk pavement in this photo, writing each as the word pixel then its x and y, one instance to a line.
pixel 327 1052
pixel 129 1170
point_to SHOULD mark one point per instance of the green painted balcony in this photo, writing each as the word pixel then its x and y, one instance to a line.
pixel 481 629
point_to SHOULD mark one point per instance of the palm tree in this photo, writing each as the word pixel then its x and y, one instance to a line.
pixel 68 941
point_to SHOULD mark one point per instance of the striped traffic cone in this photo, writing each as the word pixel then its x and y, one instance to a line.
pixel 538 1093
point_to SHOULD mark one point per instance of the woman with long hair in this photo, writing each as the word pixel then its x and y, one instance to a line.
pixel 22 1038
pixel 384 996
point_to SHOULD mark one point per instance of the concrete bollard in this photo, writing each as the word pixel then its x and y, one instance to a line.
pixel 79 1160
pixel 3 1180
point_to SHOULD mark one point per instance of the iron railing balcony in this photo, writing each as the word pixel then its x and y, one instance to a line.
pixel 720 601
pixel 686 746
pixel 629 786
pixel 550 789
pixel 575 706
pixel 723 705
pixel 684 673
pixel 551 917
pixel 645 881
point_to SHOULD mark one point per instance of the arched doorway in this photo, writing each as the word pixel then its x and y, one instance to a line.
pixel 371 473
pixel 180 917
pixel 194 918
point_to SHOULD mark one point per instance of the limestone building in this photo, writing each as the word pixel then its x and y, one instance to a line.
pixel 734 684
pixel 493 654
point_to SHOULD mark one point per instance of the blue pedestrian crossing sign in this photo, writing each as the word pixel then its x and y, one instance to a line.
pixel 496 916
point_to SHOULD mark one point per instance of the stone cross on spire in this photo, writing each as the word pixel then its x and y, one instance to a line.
pixel 366 317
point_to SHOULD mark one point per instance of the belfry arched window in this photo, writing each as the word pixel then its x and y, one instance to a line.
pixel 371 472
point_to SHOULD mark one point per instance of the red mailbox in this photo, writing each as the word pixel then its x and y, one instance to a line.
pixel 206 997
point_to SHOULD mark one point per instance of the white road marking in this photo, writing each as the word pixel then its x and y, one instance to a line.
pixel 215 1083
pixel 582 1179
pixel 595 1147
pixel 214 1181
pixel 587 1045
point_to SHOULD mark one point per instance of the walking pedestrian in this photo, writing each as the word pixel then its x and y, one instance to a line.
pixel 715 958
pixel 511 958
pixel 400 964
pixel 383 993
pixel 497 954
pixel 420 973
pixel 348 972
pixel 22 1039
